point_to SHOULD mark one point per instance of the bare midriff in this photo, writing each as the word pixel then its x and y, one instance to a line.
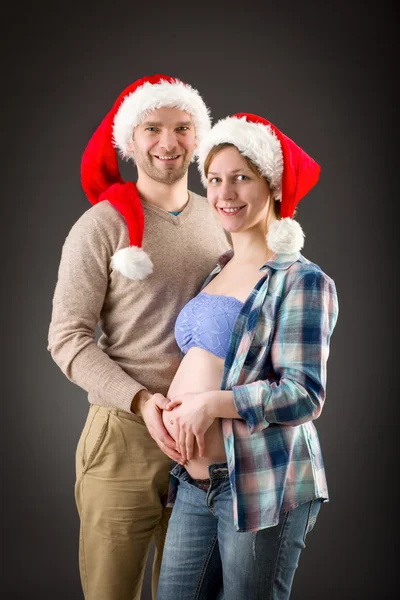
pixel 200 371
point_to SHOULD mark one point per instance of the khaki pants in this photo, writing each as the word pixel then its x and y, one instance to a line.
pixel 121 487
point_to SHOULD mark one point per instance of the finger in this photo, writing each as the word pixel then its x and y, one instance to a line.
pixel 162 437
pixel 200 443
pixel 166 440
pixel 169 450
pixel 172 454
pixel 182 443
pixel 161 401
pixel 189 445
pixel 159 433
pixel 173 404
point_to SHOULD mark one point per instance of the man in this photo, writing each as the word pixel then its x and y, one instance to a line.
pixel 130 263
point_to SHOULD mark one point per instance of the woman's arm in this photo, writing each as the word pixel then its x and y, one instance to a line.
pixel 299 353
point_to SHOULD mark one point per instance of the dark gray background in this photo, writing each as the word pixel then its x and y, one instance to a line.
pixel 323 73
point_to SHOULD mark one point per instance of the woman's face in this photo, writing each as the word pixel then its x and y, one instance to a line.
pixel 235 193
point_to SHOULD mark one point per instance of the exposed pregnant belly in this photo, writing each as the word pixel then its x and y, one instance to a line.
pixel 200 371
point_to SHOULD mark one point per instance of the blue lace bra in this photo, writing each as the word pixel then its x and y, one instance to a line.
pixel 207 322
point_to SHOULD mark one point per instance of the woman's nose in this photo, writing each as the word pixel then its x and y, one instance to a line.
pixel 227 191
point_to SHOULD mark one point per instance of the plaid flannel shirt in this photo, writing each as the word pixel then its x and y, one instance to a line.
pixel 276 369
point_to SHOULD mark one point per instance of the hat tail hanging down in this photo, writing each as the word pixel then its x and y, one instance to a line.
pixel 300 174
pixel 132 262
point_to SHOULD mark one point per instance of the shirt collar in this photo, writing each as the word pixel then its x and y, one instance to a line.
pixel 281 262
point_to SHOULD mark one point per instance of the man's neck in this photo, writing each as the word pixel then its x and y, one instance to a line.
pixel 168 197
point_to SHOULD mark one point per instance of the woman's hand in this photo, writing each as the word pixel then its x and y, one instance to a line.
pixel 192 415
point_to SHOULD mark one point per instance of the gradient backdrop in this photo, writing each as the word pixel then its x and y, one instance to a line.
pixel 323 73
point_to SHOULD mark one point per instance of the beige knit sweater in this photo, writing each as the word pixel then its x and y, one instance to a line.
pixel 137 348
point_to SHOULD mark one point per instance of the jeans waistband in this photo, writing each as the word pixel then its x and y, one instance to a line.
pixel 216 471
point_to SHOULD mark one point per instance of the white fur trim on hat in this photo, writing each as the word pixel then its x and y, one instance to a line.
pixel 285 236
pixel 132 262
pixel 149 97
pixel 256 141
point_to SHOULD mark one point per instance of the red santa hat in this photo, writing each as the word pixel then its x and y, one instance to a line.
pixel 291 173
pixel 100 176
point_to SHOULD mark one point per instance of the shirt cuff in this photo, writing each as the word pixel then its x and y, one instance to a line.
pixel 249 407
pixel 122 389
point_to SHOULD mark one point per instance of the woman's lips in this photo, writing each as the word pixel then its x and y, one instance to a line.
pixel 230 211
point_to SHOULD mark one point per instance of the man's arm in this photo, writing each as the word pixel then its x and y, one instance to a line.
pixel 77 303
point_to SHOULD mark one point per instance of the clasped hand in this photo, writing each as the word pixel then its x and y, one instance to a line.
pixel 191 414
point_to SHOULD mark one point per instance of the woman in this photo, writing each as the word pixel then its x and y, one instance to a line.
pixel 256 344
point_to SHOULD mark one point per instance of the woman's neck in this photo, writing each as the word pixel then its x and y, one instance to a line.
pixel 250 248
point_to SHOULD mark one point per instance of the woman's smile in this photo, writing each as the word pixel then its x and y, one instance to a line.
pixel 230 211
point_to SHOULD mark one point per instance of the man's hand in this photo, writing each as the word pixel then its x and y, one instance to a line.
pixel 193 416
pixel 151 413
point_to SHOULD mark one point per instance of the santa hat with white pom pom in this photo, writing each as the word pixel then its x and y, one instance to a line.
pixel 100 176
pixel 291 173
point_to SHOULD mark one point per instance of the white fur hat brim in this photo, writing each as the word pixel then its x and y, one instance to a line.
pixel 132 262
pixel 256 141
pixel 148 97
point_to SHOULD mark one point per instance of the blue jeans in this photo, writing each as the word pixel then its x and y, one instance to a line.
pixel 206 558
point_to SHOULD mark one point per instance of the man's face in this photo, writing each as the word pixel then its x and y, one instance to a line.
pixel 163 144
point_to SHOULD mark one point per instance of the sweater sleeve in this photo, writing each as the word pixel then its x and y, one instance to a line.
pixel 77 303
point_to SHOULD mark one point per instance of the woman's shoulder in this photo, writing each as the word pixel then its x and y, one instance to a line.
pixel 305 272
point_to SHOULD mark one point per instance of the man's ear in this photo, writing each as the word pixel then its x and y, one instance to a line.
pixel 131 148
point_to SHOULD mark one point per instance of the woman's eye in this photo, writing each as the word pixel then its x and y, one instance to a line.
pixel 213 180
pixel 152 129
pixel 241 177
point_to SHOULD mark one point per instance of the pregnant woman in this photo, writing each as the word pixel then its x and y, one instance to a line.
pixel 252 380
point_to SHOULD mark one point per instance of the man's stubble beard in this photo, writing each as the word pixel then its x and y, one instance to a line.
pixel 161 176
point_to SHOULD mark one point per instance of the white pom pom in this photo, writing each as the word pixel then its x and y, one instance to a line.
pixel 285 236
pixel 132 262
